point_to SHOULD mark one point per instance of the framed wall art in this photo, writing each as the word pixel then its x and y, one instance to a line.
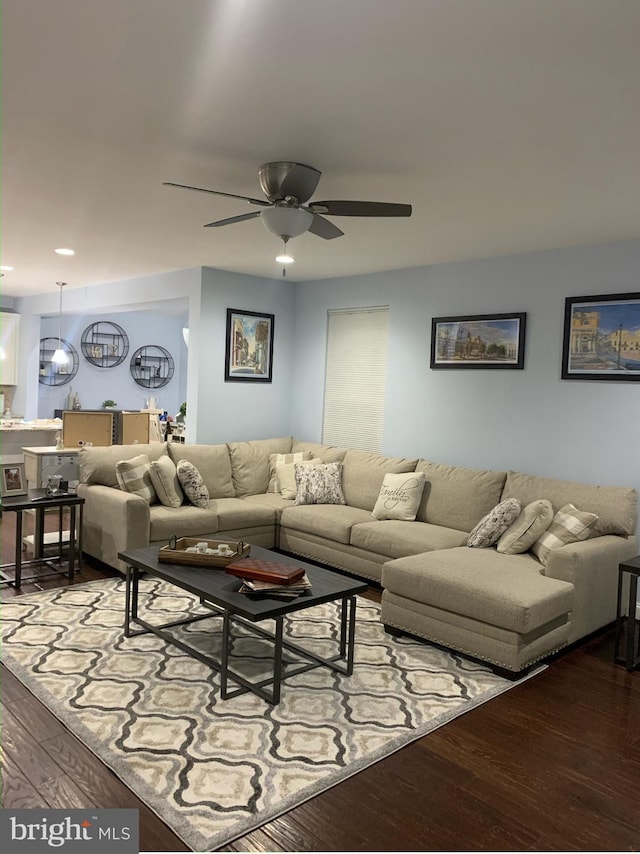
pixel 12 479
pixel 249 347
pixel 478 341
pixel 602 338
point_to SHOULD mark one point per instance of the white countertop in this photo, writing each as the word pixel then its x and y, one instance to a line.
pixel 15 426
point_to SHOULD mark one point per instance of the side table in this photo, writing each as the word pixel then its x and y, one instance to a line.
pixel 38 501
pixel 631 657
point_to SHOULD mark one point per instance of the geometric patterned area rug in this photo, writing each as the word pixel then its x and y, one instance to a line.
pixel 216 769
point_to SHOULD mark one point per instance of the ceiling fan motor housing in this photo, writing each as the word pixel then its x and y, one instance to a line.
pixel 283 178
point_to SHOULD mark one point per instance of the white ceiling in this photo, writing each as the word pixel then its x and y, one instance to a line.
pixel 510 125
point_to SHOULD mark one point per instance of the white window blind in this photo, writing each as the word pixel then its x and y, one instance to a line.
pixel 355 378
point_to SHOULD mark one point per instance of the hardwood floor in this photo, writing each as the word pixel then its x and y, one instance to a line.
pixel 552 765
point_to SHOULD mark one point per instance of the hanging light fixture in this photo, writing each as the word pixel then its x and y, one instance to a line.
pixel 60 357
pixel 285 258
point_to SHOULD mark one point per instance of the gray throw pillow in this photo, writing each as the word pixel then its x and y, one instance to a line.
pixel 530 524
pixel 491 527
pixel 193 484
pixel 164 478
pixel 319 484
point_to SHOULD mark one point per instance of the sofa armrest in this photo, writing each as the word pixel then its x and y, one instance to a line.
pixel 113 521
pixel 592 567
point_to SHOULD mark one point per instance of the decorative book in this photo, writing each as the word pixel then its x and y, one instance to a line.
pixel 265 570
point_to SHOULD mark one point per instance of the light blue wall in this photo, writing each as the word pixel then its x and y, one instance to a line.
pixel 93 384
pixel 526 420
pixel 236 411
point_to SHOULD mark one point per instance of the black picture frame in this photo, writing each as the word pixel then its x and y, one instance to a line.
pixel 602 338
pixel 478 341
pixel 249 346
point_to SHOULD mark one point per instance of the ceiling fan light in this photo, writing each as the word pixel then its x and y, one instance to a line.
pixel 285 259
pixel 286 222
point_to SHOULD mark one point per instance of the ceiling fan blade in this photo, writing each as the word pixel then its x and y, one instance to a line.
pixel 231 219
pixel 251 201
pixel 323 228
pixel 350 208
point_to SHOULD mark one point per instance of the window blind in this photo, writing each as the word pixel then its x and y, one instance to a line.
pixel 355 378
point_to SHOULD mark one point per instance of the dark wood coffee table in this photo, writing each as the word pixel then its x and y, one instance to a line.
pixel 218 591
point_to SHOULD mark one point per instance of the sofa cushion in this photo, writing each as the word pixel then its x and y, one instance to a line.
pixel 458 497
pixel 250 463
pixel 164 478
pixel 319 484
pixel 185 521
pixel 399 496
pixel 489 529
pixel 502 590
pixel 134 476
pixel 328 453
pixel 534 519
pixel 192 484
pixel 333 521
pixel 569 525
pixel 98 465
pixel 213 463
pixel 363 474
pixel 235 513
pixel 393 538
pixel 276 461
pixel 616 507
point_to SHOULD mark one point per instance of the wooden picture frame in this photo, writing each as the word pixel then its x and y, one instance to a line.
pixel 12 480
pixel 249 346
pixel 494 341
pixel 602 338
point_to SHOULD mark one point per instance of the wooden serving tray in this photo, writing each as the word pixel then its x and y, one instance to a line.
pixel 180 555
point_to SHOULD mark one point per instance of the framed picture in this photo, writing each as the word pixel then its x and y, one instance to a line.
pixel 12 481
pixel 249 354
pixel 478 341
pixel 602 338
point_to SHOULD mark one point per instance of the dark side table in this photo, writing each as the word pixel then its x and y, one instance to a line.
pixel 38 501
pixel 631 657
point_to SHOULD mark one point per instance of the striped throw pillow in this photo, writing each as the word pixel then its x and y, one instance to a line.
pixel 276 460
pixel 569 525
pixel 134 476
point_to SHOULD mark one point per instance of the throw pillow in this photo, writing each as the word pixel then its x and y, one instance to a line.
pixel 530 524
pixel 491 527
pixel 319 484
pixel 399 496
pixel 193 484
pixel 286 476
pixel 134 476
pixel 569 525
pixel 164 478
pixel 276 460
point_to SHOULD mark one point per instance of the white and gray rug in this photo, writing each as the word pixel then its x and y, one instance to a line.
pixel 211 769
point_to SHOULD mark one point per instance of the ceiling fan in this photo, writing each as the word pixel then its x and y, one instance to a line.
pixel 288 187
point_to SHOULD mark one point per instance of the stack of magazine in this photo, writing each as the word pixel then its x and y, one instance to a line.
pixel 267 578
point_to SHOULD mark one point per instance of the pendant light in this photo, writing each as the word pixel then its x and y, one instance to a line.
pixel 60 357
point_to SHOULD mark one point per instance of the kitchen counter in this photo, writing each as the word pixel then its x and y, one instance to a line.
pixel 15 434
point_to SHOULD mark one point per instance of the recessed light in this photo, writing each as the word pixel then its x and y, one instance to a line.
pixel 5 268
pixel 64 251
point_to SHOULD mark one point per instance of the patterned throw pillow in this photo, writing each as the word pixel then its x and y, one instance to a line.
pixel 286 476
pixel 164 478
pixel 530 524
pixel 400 496
pixel 134 476
pixel 489 529
pixel 193 484
pixel 276 460
pixel 569 525
pixel 319 484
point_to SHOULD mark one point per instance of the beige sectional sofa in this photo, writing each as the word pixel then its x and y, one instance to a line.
pixel 509 610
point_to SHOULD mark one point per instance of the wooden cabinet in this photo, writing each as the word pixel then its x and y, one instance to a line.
pixel 9 331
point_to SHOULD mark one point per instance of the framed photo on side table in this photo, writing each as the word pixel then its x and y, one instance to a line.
pixel 602 338
pixel 249 348
pixel 478 341
pixel 12 480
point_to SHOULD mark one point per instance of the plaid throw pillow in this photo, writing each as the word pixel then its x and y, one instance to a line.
pixel 569 525
pixel 276 460
pixel 134 476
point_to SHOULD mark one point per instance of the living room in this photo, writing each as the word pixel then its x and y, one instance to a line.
pixel 526 196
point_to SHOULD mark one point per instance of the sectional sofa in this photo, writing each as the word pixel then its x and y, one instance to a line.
pixel 507 609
